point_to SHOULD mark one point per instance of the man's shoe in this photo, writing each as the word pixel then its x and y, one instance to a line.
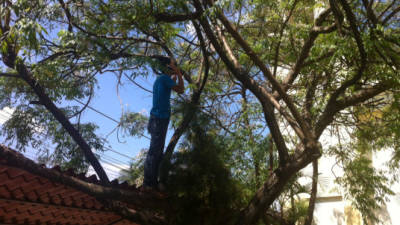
pixel 161 187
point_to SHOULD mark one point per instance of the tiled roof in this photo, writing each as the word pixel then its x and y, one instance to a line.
pixel 26 198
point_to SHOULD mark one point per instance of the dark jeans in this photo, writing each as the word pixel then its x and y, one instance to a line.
pixel 158 130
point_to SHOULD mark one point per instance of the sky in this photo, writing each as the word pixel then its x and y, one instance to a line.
pixel 112 103
pixel 106 100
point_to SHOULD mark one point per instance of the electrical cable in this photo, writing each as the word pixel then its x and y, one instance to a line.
pixel 112 164
pixel 109 160
pixel 101 113
pixel 119 153
pixel 105 115
pixel 115 160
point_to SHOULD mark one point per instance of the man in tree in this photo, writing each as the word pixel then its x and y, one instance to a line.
pixel 159 115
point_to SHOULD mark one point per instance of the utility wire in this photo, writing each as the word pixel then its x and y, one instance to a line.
pixel 110 149
pixel 31 154
pixel 115 160
pixel 112 164
pixel 101 113
pixel 121 154
pixel 105 115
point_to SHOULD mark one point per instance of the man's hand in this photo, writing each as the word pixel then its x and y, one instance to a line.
pixel 174 68
pixel 180 87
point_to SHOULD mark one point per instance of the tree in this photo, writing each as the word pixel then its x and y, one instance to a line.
pixel 297 67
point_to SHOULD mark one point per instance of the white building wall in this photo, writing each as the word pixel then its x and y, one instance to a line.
pixel 329 213
pixel 337 212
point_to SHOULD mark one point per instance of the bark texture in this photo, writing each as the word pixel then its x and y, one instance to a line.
pixel 313 196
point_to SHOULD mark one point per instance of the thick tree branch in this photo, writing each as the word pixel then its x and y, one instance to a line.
pixel 194 102
pixel 142 217
pixel 67 13
pixel 205 57
pixel 353 24
pixel 227 48
pixel 337 14
pixel 54 56
pixel 172 18
pixel 10 59
pixel 136 198
pixel 59 115
pixel 5 26
pixel 335 106
pixel 391 15
pixel 313 196
pixel 309 43
pixel 13 75
pixel 273 187
pixel 362 95
pixel 305 129
pixel 370 13
pixel 309 99
pixel 253 86
pixel 72 23
pixel 386 9
pixel 277 49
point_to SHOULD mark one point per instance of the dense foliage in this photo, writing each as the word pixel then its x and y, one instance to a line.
pixel 266 80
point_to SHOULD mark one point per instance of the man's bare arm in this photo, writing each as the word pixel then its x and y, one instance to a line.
pixel 180 87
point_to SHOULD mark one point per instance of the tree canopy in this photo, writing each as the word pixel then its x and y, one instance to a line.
pixel 266 79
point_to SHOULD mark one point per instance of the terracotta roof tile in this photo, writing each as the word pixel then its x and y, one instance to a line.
pixel 29 199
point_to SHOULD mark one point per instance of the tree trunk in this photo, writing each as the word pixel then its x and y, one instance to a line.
pixel 274 186
pixel 166 162
pixel 313 196
pixel 271 155
pixel 59 115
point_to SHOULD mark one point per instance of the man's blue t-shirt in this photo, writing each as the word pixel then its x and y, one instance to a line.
pixel 161 95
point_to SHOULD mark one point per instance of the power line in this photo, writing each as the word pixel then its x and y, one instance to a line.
pixel 121 154
pixel 105 115
pixel 110 149
pixel 32 154
pixel 115 160
pixel 101 113
pixel 112 164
